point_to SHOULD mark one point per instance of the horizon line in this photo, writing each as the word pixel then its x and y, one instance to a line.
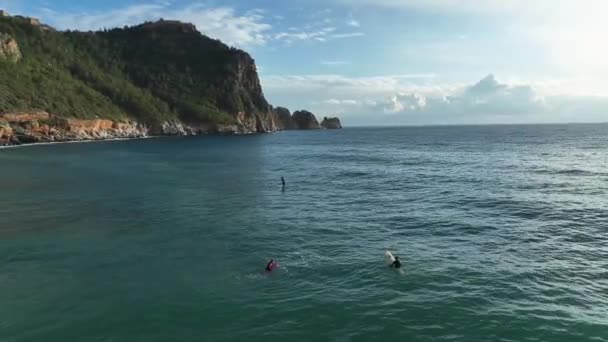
pixel 479 125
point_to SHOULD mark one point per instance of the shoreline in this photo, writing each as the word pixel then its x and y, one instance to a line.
pixel 39 128
pixel 83 141
pixel 80 141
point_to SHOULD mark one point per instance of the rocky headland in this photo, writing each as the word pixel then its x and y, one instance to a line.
pixel 157 78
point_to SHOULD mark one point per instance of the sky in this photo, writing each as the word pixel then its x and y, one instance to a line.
pixel 395 62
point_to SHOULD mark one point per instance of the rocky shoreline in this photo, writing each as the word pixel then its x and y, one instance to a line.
pixel 40 127
pixel 3 147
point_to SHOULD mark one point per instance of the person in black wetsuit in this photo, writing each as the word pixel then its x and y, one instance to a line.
pixel 283 181
pixel 396 263
pixel 269 266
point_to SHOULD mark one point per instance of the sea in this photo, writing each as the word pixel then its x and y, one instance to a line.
pixel 502 231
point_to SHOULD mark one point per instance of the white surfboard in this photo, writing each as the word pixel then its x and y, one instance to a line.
pixel 389 258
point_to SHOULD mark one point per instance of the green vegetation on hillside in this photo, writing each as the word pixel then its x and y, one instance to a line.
pixel 152 72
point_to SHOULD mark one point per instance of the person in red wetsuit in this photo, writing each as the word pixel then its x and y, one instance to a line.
pixel 271 265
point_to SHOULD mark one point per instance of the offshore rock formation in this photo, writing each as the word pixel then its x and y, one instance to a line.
pixel 305 120
pixel 331 123
pixel 283 118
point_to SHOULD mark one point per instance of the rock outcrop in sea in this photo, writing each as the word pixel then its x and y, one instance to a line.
pixel 331 123
pixel 305 120
pixel 283 118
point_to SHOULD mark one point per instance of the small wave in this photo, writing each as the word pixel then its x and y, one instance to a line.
pixel 569 172
pixel 255 276
pixel 351 158
pixel 353 174
pixel 304 259
pixel 416 162
pixel 545 186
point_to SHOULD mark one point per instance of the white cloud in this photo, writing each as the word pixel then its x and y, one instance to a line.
pixel 338 86
pixel 334 63
pixel 320 34
pixel 403 103
pixel 346 102
pixel 353 23
pixel 347 35
pixel 320 25
pixel 221 22
pixel 487 97
pixel 490 101
pixel 333 102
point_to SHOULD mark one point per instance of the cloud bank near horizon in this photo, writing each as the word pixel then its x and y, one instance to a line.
pixel 414 100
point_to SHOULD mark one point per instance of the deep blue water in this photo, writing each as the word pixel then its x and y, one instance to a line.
pixel 503 231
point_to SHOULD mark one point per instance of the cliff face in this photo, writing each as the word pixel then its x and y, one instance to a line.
pixel 305 120
pixel 204 81
pixel 331 123
pixel 9 49
pixel 253 111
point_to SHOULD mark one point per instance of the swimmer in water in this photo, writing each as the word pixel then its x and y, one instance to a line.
pixel 396 263
pixel 271 265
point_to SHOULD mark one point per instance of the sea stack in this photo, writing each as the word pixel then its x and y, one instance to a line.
pixel 283 118
pixel 305 120
pixel 331 123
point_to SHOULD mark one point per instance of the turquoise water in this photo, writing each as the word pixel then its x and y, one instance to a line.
pixel 503 231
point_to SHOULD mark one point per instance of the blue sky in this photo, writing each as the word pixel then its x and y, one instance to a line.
pixel 396 61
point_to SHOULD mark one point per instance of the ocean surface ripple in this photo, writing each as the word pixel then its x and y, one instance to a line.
pixel 503 231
